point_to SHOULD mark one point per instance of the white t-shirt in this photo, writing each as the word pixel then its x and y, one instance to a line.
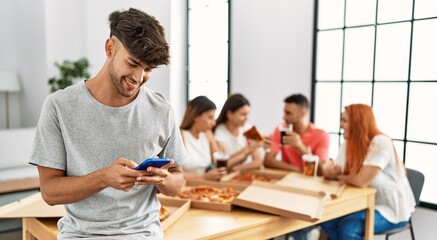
pixel 232 143
pixel 198 151
pixel 394 198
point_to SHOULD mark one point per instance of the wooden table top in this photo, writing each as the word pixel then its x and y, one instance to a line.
pixel 244 223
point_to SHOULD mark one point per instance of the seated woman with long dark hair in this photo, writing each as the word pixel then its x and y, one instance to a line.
pixel 199 141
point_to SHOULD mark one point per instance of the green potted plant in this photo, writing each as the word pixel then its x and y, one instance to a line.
pixel 69 71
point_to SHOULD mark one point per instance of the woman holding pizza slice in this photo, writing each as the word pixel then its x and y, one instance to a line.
pixel 231 124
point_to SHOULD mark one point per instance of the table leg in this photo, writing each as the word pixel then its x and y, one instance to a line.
pixel 370 217
pixel 26 234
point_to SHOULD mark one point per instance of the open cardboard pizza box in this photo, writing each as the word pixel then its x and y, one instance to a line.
pixel 205 203
pixel 284 201
pixel 245 177
pixel 31 206
pixel 297 180
pixel 177 208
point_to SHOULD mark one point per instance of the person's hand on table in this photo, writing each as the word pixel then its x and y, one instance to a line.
pixel 330 169
pixel 216 174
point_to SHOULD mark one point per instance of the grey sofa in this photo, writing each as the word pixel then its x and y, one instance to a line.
pixel 15 149
pixel 18 178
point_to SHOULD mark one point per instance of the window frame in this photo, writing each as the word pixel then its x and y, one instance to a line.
pixel 405 140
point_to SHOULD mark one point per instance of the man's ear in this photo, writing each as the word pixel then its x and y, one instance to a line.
pixel 303 112
pixel 109 47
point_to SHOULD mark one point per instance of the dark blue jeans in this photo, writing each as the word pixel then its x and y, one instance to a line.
pixel 351 227
pixel 300 234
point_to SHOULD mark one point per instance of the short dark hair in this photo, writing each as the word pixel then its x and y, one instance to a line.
pixel 298 99
pixel 233 103
pixel 142 35
pixel 196 107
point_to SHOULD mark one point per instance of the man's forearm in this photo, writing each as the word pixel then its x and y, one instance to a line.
pixel 285 166
pixel 302 149
pixel 56 188
pixel 238 157
pixel 64 190
pixel 273 163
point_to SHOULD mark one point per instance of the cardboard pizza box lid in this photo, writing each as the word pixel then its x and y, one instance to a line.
pixel 284 201
pixel 274 175
pixel 297 180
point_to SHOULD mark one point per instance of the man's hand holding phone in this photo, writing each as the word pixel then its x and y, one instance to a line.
pixel 153 170
pixel 152 162
pixel 120 174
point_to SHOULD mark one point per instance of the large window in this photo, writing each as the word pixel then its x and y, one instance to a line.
pixel 382 53
pixel 208 50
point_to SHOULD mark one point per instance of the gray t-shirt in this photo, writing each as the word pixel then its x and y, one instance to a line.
pixel 79 135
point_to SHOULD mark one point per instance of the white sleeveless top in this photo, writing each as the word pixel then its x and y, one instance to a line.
pixel 199 152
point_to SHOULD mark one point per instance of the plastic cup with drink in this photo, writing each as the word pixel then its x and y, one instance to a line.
pixel 310 163
pixel 285 129
pixel 221 159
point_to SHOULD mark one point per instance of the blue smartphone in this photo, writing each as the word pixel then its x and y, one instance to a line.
pixel 154 162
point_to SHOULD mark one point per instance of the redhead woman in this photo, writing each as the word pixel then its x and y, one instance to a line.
pixel 368 158
pixel 231 124
pixel 199 141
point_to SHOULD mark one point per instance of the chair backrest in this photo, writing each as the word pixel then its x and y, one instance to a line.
pixel 416 180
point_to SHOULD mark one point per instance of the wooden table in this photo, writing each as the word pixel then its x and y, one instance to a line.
pixel 238 224
pixel 19 185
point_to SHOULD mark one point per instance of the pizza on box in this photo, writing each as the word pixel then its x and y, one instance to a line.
pixel 163 213
pixel 253 134
pixel 250 177
pixel 209 194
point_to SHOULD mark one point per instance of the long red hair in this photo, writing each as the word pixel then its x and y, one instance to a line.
pixel 362 128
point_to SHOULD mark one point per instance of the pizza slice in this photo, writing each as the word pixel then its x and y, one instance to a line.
pixel 253 134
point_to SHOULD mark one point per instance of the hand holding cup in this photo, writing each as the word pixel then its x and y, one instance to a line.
pixel 221 159
pixel 285 130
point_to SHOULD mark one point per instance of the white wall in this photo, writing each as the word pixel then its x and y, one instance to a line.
pixel 8 39
pixel 271 55
pixel 31 58
pixel 65 32
pixel 8 58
